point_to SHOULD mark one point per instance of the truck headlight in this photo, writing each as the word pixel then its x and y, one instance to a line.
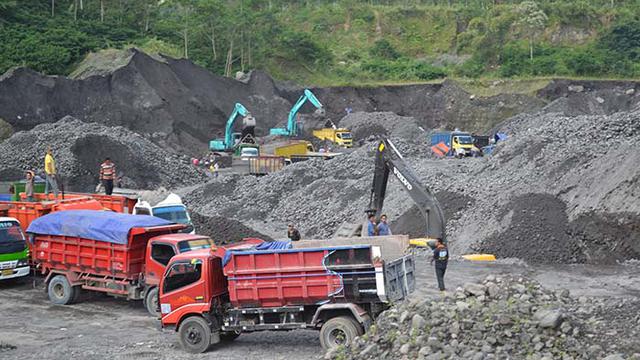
pixel 23 262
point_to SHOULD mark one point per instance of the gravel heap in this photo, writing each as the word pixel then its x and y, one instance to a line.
pixel 223 230
pixel 294 195
pixel 80 147
pixel 559 190
pixel 405 131
pixel 502 318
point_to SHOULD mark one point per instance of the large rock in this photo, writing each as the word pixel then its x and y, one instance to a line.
pixel 475 289
pixel 548 318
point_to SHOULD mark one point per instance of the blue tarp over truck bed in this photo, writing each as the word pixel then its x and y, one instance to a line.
pixel 95 225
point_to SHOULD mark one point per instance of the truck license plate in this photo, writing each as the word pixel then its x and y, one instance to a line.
pixel 7 272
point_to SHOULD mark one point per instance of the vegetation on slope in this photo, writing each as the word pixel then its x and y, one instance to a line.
pixel 336 41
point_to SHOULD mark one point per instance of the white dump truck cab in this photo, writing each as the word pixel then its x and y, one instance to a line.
pixel 171 209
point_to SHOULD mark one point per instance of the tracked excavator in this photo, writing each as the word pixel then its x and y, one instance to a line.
pixel 390 161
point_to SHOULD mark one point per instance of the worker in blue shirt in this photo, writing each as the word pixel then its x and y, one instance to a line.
pixel 383 227
pixel 371 227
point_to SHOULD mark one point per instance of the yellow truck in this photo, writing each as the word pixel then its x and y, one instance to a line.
pixel 339 136
pixel 294 148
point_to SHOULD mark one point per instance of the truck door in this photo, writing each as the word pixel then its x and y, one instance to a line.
pixel 182 284
pixel 160 254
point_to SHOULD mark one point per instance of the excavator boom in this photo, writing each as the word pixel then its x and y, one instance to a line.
pixel 390 161
pixel 292 125
pixel 227 143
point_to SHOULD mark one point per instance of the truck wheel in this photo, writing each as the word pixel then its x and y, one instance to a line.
pixel 60 291
pixel 77 293
pixel 151 302
pixel 229 336
pixel 195 335
pixel 338 331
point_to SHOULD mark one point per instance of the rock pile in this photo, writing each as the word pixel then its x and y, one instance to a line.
pixel 500 318
pixel 80 147
pixel 559 190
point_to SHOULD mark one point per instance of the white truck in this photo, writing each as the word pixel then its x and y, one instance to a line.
pixel 171 209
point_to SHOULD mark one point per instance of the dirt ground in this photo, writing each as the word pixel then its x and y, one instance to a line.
pixel 101 327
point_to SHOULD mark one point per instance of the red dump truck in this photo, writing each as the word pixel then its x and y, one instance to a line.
pixel 25 212
pixel 119 254
pixel 337 289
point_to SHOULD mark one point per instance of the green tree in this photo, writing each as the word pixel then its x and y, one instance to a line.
pixel 532 21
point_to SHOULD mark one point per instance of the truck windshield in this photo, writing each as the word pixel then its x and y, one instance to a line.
pixel 466 140
pixel 190 245
pixel 12 238
pixel 177 214
pixel 344 135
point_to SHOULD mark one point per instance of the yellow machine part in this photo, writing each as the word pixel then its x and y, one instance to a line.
pixel 423 242
pixel 479 257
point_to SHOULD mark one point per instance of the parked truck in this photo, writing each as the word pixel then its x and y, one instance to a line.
pixel 119 254
pixel 453 143
pixel 171 208
pixel 339 136
pixel 14 252
pixel 337 289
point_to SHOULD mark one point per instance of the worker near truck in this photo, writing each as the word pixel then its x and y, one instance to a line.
pixel 293 233
pixel 372 227
pixel 107 175
pixel 441 258
pixel 28 185
pixel 383 227
pixel 50 173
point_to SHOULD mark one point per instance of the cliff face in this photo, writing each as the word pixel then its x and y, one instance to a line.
pixel 174 101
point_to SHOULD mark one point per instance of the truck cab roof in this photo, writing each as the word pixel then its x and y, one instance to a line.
pixel 4 218
pixel 178 237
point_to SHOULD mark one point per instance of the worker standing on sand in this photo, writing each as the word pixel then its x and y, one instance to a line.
pixel 293 233
pixel 372 228
pixel 50 174
pixel 107 175
pixel 383 227
pixel 215 169
pixel 28 186
pixel 441 257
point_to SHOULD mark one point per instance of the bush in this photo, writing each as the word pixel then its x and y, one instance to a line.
pixel 403 69
pixel 623 39
pixel 472 68
pixel 301 45
pixel 585 62
pixel 384 50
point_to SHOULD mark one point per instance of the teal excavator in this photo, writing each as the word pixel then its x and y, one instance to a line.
pixel 230 138
pixel 292 125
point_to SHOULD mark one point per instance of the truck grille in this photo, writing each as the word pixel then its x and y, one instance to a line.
pixel 8 264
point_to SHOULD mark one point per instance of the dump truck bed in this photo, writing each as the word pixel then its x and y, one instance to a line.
pixel 315 276
pixel 95 242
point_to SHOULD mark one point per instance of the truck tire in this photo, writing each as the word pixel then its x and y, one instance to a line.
pixel 195 335
pixel 77 293
pixel 339 331
pixel 228 336
pixel 60 291
pixel 151 302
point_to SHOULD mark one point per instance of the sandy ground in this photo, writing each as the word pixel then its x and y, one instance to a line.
pixel 101 327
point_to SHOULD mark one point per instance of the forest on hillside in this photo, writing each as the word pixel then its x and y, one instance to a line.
pixel 327 42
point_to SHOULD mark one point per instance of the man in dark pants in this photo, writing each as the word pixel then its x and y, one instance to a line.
pixel 441 257
pixel 108 175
